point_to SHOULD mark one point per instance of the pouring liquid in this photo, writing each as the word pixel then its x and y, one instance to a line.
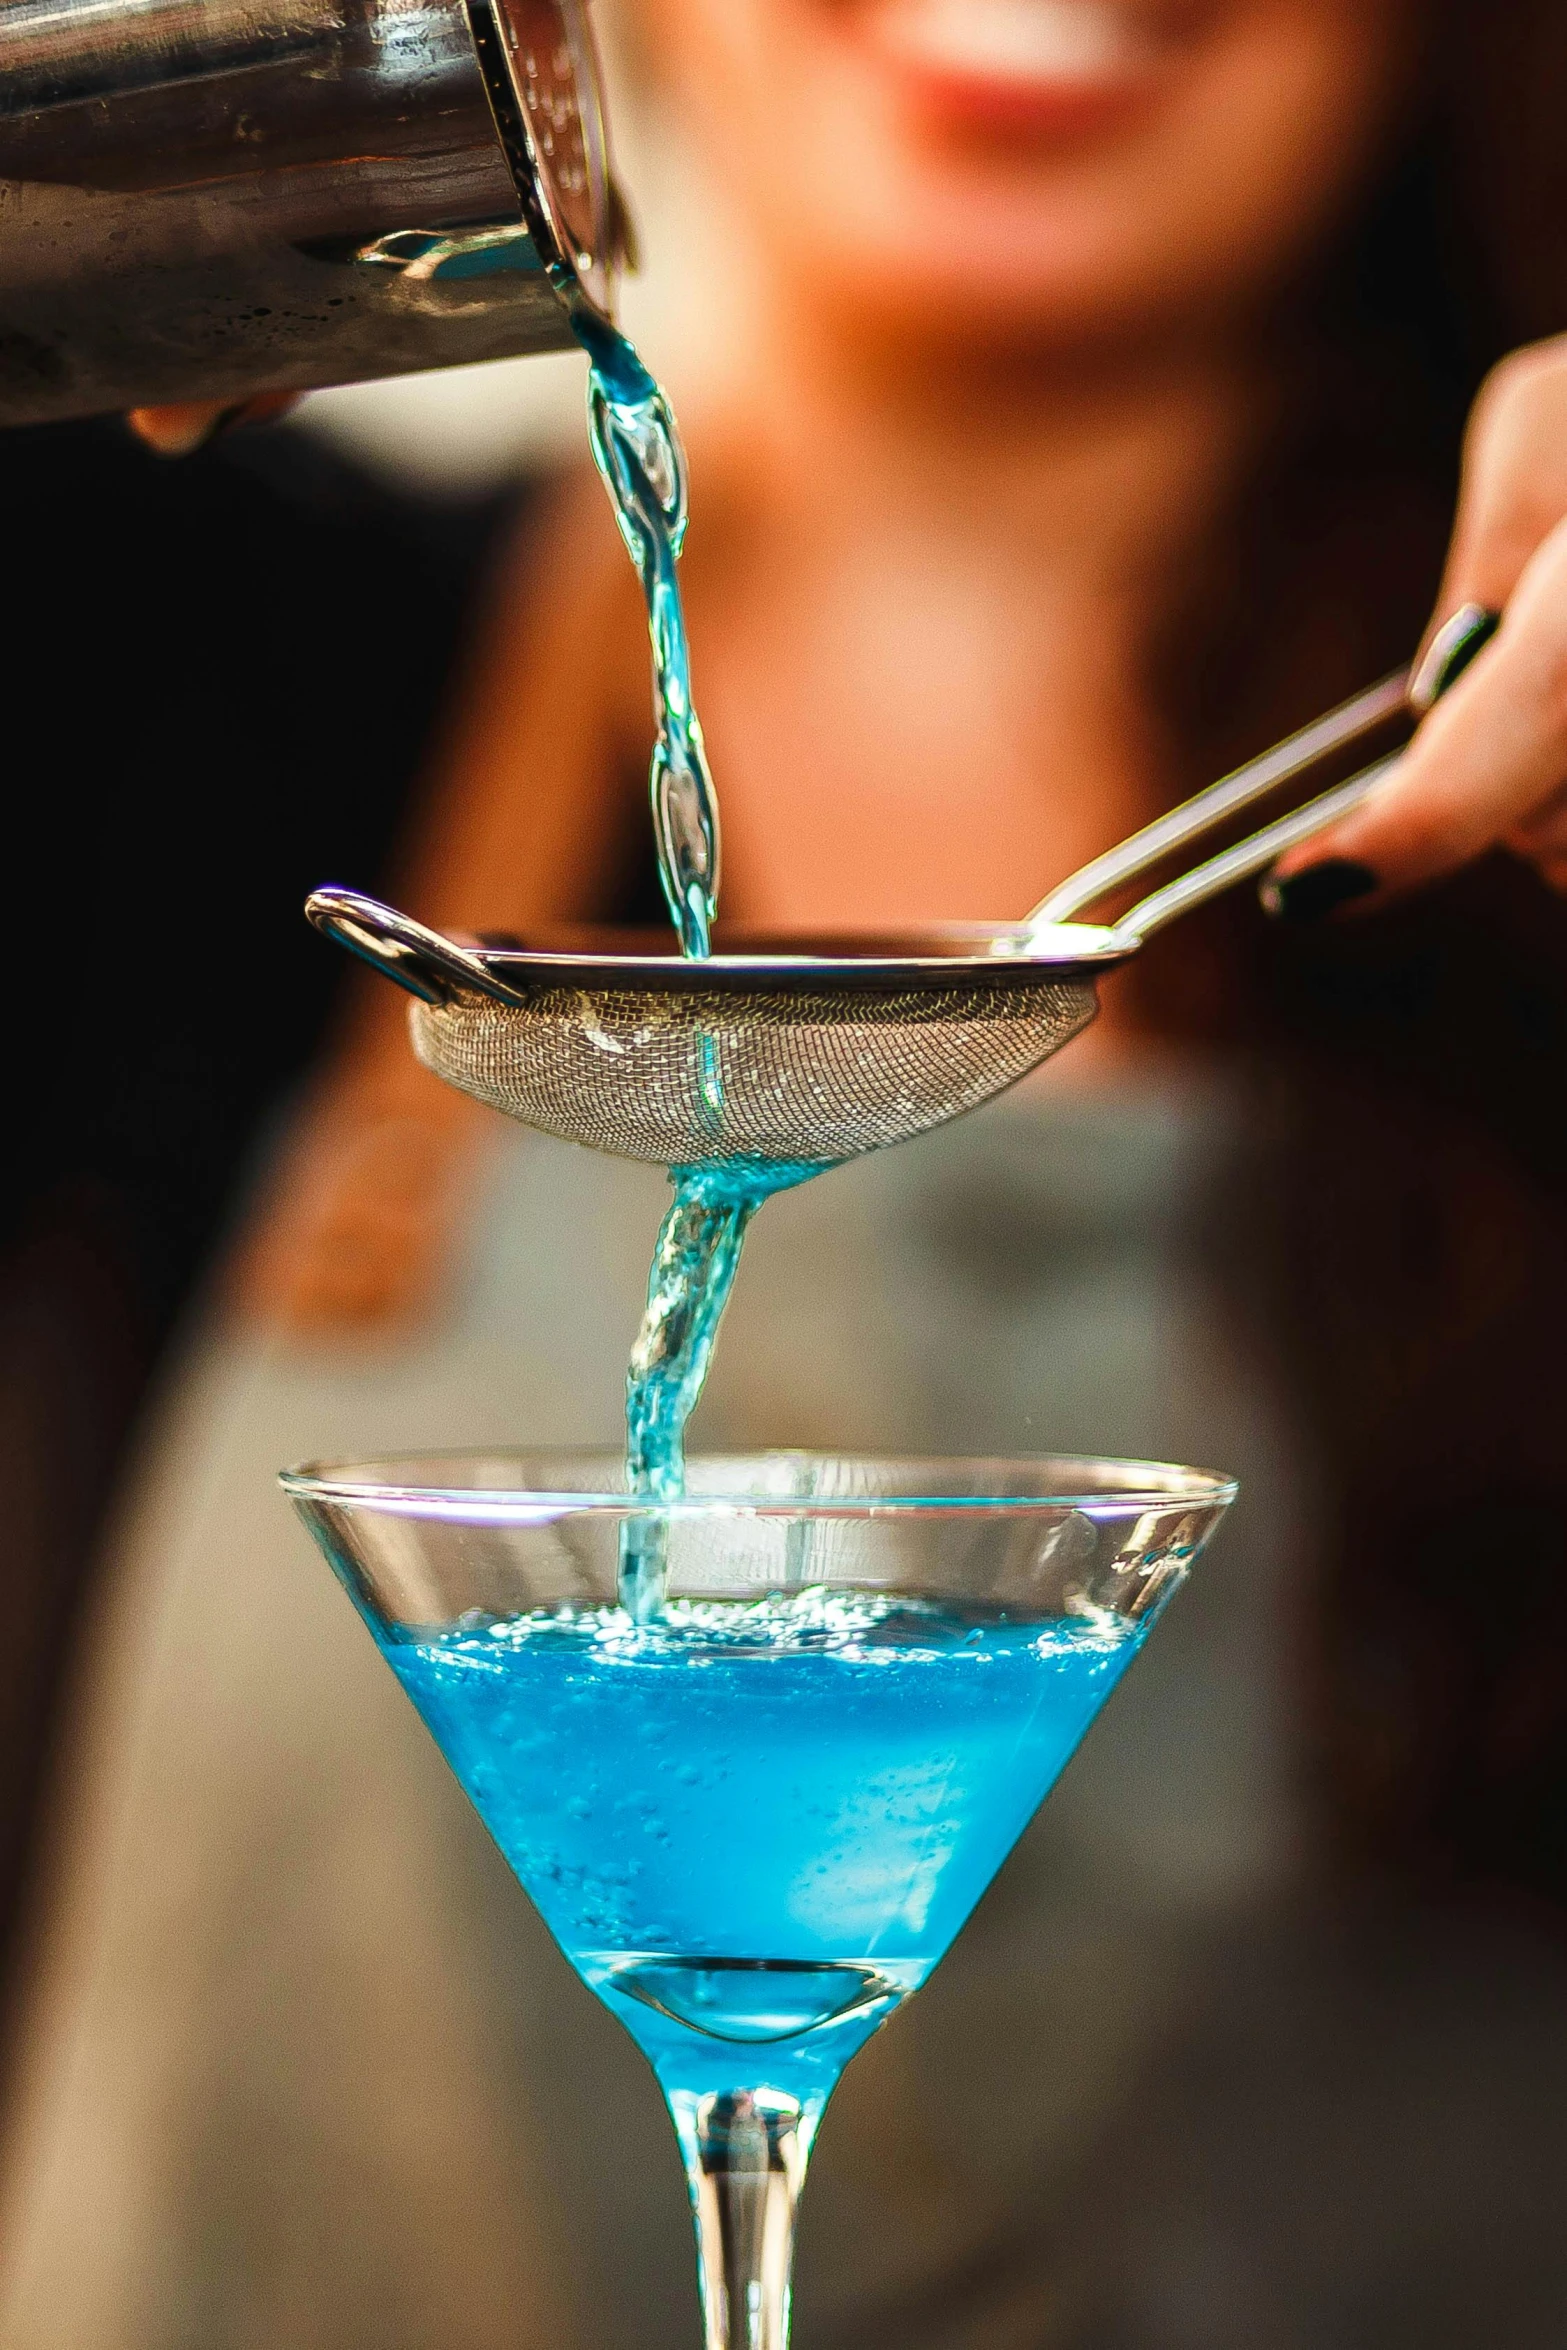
pixel 695 1260
pixel 636 445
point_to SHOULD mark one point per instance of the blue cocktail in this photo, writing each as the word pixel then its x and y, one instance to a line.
pixel 755 1822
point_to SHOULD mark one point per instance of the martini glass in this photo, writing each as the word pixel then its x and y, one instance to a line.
pixel 755 1823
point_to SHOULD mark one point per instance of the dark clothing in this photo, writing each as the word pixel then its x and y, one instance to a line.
pixel 223 678
pixel 1405 1258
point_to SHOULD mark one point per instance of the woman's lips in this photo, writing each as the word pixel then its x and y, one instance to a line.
pixel 1066 64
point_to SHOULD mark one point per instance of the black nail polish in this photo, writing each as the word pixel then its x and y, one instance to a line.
pixel 1319 891
pixel 1455 644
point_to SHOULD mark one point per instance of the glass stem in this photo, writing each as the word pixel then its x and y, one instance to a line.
pixel 746 2152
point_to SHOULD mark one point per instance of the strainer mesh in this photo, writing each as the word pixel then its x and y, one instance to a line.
pixel 679 1077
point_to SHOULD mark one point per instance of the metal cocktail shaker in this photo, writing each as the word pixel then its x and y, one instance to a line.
pixel 205 199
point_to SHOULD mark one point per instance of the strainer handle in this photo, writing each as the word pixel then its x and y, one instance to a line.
pixel 1448 656
pixel 1252 855
pixel 426 964
pixel 1375 707
pixel 1406 693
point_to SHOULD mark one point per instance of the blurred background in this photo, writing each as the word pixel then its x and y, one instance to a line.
pixel 1075 393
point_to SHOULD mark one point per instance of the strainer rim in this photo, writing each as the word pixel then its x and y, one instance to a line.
pixel 1093 951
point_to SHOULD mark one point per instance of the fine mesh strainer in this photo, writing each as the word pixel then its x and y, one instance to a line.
pixel 804 1052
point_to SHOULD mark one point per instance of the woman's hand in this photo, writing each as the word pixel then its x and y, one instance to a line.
pixel 187 425
pixel 1488 767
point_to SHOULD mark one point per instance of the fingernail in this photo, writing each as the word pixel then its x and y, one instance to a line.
pixel 181 431
pixel 1450 652
pixel 1311 895
pixel 166 437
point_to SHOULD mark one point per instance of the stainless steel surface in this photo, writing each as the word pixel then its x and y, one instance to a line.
pixel 1252 855
pixel 770 1056
pixel 204 199
pixel 810 1052
pixel 429 966
pixel 1377 706
pixel 815 1051
pixel 1408 693
pixel 805 1051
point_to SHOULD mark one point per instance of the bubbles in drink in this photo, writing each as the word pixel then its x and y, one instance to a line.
pixel 838 1775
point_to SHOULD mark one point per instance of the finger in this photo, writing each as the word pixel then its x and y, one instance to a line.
pixel 1455 646
pixel 1491 755
pixel 1542 832
pixel 1542 842
pixel 177 430
pixel 1551 865
pixel 1514 488
pixel 182 427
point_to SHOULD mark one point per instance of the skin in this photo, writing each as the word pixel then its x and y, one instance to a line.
pixel 180 430
pixel 1488 768
pixel 916 204
pixel 990 385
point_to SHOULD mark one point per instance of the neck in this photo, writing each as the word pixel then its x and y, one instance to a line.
pixel 1107 458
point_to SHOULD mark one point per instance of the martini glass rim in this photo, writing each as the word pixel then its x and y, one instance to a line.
pixel 402 1486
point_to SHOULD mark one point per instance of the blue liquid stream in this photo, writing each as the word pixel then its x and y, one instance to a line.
pixel 637 448
pixel 824 1782
pixel 695 1260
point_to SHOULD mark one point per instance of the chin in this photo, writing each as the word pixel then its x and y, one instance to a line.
pixel 1055 311
pixel 1004 161
pixel 1045 167
pixel 947 246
